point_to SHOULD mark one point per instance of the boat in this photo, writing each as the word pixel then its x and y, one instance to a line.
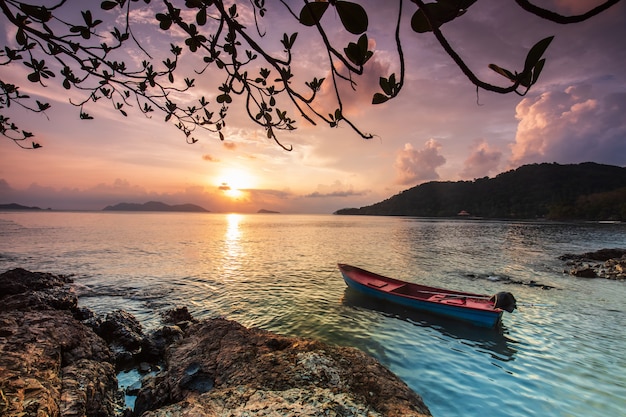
pixel 477 309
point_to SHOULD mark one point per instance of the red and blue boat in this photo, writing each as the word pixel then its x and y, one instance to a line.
pixel 477 309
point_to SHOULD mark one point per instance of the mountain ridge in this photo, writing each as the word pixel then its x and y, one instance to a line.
pixel 585 191
pixel 156 206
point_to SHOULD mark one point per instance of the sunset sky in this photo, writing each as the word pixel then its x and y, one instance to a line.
pixel 438 128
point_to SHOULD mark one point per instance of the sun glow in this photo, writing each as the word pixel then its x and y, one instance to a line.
pixel 235 182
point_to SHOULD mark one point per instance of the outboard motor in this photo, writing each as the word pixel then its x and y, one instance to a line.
pixel 505 301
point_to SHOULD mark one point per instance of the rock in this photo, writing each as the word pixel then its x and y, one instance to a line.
pixel 221 365
pixel 177 315
pixel 604 263
pixel 584 272
pixel 153 346
pixel 24 290
pixel 122 329
pixel 50 363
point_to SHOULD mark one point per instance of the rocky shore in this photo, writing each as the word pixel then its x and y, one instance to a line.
pixel 604 263
pixel 57 359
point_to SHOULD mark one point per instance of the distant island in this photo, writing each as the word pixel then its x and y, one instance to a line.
pixel 15 206
pixel 263 211
pixel 156 206
pixel 586 191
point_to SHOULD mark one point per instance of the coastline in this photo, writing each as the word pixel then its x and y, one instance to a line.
pixel 59 359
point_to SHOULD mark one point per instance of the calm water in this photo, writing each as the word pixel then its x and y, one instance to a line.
pixel 561 354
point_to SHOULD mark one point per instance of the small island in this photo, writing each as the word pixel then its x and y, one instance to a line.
pixel 264 211
pixel 156 206
pixel 15 206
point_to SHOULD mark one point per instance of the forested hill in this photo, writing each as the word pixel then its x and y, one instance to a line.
pixel 586 191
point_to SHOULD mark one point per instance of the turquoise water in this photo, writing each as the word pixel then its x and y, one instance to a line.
pixel 559 354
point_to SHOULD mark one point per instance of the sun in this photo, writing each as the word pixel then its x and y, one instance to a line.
pixel 235 182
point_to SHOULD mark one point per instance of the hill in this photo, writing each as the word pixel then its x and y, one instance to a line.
pixel 586 191
pixel 15 206
pixel 156 206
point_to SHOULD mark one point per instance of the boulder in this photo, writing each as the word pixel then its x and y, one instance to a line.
pixel 221 365
pixel 604 263
pixel 50 363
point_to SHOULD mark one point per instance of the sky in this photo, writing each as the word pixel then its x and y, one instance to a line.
pixel 439 128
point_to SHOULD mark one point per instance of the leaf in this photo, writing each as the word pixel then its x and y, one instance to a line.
pixel 311 13
pixel 385 85
pixel 353 17
pixel 165 21
pixel 224 98
pixel 379 98
pixel 505 73
pixel 108 5
pixel 20 37
pixel 201 17
pixel 538 69
pixel 33 77
pixel 439 13
pixel 536 52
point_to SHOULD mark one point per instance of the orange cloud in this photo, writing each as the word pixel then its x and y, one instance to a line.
pixel 571 126
pixel 418 165
pixel 482 161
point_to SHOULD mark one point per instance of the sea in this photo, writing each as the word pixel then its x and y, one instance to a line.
pixel 561 353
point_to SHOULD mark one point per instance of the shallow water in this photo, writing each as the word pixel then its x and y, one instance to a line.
pixel 559 354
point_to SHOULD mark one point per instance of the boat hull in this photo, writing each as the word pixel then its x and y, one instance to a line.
pixel 482 314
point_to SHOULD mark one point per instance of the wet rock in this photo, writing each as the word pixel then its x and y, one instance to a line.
pixel 584 271
pixel 122 329
pixel 153 346
pixel 604 263
pixel 24 290
pixel 178 315
pixel 221 365
pixel 50 363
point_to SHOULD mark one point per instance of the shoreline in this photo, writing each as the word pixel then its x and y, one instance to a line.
pixel 59 359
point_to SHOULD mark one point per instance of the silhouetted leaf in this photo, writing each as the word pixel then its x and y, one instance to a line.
pixel 164 21
pixel 108 5
pixel 536 52
pixel 33 77
pixel 538 69
pixel 353 17
pixel 201 17
pixel 439 13
pixel 505 73
pixel 20 37
pixel 311 13
pixel 379 98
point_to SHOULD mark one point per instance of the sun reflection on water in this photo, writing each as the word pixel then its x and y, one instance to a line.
pixel 233 245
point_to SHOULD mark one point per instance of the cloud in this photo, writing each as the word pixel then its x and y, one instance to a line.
pixel 571 126
pixel 348 193
pixel 210 158
pixel 482 161
pixel 336 189
pixel 418 165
